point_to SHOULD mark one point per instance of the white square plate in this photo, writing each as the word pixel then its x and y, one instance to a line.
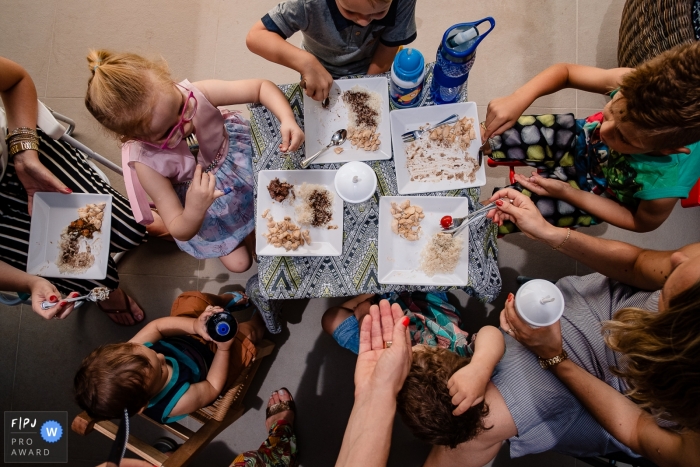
pixel 53 212
pixel 324 242
pixel 403 120
pixel 320 123
pixel 399 259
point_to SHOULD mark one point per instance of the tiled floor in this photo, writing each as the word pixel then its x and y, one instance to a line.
pixel 205 39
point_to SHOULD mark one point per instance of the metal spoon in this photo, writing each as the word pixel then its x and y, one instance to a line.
pixel 337 139
pixel 96 294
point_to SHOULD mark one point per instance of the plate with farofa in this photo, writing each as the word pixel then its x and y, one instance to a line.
pixel 420 254
pixel 69 235
pixel 445 159
pixel 361 106
pixel 298 213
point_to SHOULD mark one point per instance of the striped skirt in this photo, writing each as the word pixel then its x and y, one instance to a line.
pixel 71 167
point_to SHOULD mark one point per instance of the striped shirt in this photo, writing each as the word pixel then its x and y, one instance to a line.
pixel 546 414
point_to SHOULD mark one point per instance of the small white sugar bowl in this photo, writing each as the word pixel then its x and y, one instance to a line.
pixel 539 303
pixel 355 182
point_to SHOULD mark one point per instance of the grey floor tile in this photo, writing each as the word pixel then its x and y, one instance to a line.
pixel 160 258
pixel 10 318
pixel 155 294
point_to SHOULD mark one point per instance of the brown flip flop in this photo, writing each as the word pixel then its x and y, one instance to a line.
pixel 123 306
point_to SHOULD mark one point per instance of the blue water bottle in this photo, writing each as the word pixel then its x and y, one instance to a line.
pixel 407 74
pixel 455 58
pixel 222 326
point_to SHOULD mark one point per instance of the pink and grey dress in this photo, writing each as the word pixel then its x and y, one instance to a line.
pixel 225 151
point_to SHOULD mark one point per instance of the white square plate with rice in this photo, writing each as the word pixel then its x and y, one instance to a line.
pixel 320 123
pixel 51 214
pixel 400 259
pixel 324 241
pixel 404 120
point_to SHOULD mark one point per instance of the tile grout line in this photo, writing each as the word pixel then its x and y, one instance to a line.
pixel 53 39
pixel 14 372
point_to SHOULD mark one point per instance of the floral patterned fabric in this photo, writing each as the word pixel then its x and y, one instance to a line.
pixel 231 217
pixel 278 450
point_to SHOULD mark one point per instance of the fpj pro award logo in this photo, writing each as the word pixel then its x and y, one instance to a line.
pixel 36 437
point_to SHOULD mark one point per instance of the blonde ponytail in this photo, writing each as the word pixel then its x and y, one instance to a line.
pixel 122 90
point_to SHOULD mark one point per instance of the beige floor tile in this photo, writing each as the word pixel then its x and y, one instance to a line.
pixel 233 59
pixel 160 258
pixel 583 112
pixel 515 51
pixel 213 268
pixel 181 31
pixel 599 22
pixel 27 35
pixel 155 294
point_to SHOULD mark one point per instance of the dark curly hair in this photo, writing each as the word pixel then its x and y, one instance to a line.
pixel 425 403
pixel 663 97
pixel 661 361
pixel 112 378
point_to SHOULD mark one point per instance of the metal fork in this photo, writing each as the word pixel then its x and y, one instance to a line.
pixel 459 224
pixel 416 134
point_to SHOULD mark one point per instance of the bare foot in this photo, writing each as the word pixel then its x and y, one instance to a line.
pixel 278 396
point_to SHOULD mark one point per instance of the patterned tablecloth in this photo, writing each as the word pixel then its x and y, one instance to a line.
pixel 355 271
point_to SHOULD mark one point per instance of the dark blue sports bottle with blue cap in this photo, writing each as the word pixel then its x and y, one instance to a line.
pixel 222 326
pixel 455 58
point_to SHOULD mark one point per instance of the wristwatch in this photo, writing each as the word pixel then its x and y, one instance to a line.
pixel 547 363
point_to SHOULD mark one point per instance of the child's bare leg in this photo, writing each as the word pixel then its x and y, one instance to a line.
pixel 239 260
pixel 334 316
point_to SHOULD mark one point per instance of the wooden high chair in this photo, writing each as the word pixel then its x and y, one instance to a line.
pixel 214 419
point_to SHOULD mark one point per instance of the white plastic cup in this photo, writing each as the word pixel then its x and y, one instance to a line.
pixel 539 303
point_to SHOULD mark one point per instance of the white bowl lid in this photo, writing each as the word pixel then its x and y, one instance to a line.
pixel 355 182
pixel 539 302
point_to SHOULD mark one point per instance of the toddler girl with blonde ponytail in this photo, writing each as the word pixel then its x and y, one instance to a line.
pixel 205 200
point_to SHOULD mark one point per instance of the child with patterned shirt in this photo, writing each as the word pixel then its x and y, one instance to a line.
pixel 641 153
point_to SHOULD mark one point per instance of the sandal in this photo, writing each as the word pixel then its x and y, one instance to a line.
pixel 123 305
pixel 281 406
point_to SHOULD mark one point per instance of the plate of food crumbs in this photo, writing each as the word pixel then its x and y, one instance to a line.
pixel 412 249
pixel 361 106
pixel 443 159
pixel 298 213
pixel 69 235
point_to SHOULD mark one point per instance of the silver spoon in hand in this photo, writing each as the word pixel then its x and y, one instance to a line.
pixel 337 139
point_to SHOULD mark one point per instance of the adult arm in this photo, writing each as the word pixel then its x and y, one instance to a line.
pixel 262 91
pixel 382 59
pixel 12 279
pixel 648 215
pixel 19 98
pixel 379 375
pixel 503 112
pixel 273 47
pixel 644 269
pixel 628 423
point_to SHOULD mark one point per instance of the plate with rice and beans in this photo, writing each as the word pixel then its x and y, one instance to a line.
pixel 361 106
pixel 298 214
pixel 412 248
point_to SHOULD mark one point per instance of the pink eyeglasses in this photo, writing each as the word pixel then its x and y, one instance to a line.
pixel 178 131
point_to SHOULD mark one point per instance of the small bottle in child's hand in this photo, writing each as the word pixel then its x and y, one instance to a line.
pixel 222 327
pixel 228 190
